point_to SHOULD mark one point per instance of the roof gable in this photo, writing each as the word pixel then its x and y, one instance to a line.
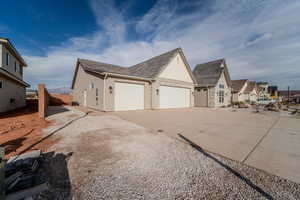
pixel 238 85
pixel 152 68
pixel 208 74
pixel 176 69
pixel 251 86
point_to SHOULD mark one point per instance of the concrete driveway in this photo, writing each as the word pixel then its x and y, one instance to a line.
pixel 264 141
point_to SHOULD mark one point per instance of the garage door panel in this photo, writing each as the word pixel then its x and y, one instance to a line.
pixel 174 97
pixel 129 96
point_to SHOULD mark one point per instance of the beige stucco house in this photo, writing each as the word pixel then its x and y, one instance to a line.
pixel 164 81
pixel 12 86
pixel 244 91
pixel 213 84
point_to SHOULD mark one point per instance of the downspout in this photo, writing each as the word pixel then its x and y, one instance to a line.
pixel 104 86
pixel 208 96
pixel 151 96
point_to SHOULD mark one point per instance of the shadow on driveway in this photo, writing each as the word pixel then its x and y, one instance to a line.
pixel 56 167
pixel 237 174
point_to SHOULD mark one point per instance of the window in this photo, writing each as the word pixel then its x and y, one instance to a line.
pixel 92 86
pixel 20 69
pixel 221 96
pixel 97 97
pixel 1 84
pixel 7 58
pixel 15 66
pixel 221 86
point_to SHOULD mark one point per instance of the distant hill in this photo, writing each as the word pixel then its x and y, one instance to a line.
pixel 62 90
pixel 285 92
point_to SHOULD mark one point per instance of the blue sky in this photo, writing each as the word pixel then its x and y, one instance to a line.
pixel 260 39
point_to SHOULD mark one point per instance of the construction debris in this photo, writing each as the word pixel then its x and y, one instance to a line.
pixel 28 193
pixel 23 176
pixel 31 154
pixel 272 107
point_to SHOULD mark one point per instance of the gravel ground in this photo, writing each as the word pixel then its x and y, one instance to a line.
pixel 116 159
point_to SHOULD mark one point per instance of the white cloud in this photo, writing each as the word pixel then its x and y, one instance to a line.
pixel 259 39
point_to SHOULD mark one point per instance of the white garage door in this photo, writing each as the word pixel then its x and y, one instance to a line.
pixel 174 97
pixel 129 96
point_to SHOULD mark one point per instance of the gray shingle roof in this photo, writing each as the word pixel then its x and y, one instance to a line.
pixel 94 66
pixel 251 85
pixel 237 85
pixel 147 69
pixel 152 67
pixel 208 74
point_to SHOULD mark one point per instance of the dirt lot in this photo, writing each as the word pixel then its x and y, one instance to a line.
pixel 111 158
pixel 60 99
pixel 21 128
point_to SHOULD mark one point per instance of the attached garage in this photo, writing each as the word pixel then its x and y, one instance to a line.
pixel 129 96
pixel 174 97
pixel 164 81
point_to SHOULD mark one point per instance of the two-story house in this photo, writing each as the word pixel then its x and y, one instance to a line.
pixel 12 86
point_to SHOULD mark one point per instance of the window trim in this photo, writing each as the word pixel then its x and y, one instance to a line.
pixel 7 59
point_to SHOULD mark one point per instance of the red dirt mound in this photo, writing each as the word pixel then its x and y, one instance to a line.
pixel 21 128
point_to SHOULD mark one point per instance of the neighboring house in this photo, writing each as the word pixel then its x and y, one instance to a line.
pixel 273 91
pixel 263 90
pixel 213 87
pixel 251 92
pixel 244 91
pixel 238 88
pixel 12 86
pixel 164 81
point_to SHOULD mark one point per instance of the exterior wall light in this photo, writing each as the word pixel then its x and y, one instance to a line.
pixel 110 89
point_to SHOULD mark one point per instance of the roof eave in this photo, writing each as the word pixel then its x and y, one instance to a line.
pixel 205 85
pixel 119 75
pixel 7 42
pixel 11 76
